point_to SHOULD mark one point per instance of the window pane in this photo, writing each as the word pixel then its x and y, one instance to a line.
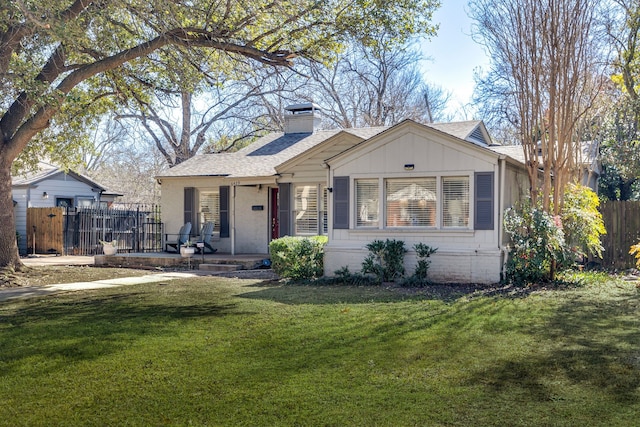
pixel 411 202
pixel 455 201
pixel 366 202
pixel 306 210
pixel 210 208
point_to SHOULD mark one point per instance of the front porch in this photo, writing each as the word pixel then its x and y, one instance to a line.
pixel 207 262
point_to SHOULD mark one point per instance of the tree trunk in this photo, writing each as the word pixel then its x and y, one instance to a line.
pixel 9 257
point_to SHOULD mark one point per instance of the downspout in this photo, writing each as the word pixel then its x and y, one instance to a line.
pixel 329 206
pixel 504 250
pixel 233 219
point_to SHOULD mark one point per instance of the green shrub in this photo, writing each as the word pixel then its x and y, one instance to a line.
pixel 385 260
pixel 537 244
pixel 298 257
pixel 345 277
pixel 582 222
pixel 419 277
pixel 423 252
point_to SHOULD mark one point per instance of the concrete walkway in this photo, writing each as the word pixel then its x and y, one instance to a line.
pixel 32 291
pixel 58 260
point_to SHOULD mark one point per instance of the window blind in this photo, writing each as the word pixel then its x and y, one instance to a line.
pixel 410 202
pixel 367 210
pixel 455 201
pixel 210 208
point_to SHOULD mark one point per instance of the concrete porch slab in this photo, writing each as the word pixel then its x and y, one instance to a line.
pixel 166 259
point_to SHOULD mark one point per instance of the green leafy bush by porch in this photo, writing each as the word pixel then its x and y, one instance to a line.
pixel 298 257
pixel 385 260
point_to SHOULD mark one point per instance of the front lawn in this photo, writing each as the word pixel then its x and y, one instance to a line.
pixel 213 351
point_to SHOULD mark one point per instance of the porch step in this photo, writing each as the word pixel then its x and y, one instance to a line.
pixel 221 267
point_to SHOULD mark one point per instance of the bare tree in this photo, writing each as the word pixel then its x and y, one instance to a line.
pixel 204 109
pixel 373 85
pixel 106 139
pixel 548 64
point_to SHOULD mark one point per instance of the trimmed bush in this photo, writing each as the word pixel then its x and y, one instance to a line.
pixel 298 257
pixel 385 260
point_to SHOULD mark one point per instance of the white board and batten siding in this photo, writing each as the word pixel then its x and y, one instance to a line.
pixel 464 254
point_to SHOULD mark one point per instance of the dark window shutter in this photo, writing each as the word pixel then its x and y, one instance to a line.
pixel 484 217
pixel 190 207
pixel 341 202
pixel 224 211
pixel 284 209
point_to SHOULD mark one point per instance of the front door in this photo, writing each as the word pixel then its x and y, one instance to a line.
pixel 275 228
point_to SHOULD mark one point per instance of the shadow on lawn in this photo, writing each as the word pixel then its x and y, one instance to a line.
pixel 295 293
pixel 586 342
pixel 60 331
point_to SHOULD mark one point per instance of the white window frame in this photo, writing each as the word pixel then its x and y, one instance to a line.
pixel 411 202
pixel 367 206
pixel 310 209
pixel 205 215
pixel 454 208
pixel 441 211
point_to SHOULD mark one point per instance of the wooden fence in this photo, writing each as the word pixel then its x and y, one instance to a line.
pixel 622 220
pixel 45 230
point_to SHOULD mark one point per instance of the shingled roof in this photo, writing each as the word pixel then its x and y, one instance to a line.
pixel 469 130
pixel 589 155
pixel 46 171
pixel 261 158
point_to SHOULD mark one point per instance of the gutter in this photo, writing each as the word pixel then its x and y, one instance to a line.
pixel 504 250
pixel 233 220
pixel 329 206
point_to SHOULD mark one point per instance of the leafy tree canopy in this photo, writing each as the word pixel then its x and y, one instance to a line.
pixel 60 60
pixel 62 57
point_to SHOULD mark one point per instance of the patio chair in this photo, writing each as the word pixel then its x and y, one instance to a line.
pixel 182 238
pixel 206 235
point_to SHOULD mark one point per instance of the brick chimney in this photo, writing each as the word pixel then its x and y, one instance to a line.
pixel 301 118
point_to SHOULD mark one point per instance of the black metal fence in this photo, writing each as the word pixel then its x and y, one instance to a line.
pixel 135 228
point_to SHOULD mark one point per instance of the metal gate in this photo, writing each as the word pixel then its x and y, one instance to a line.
pixel 136 229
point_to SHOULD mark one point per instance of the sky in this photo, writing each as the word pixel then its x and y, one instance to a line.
pixel 452 55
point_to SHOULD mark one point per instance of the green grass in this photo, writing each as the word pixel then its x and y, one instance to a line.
pixel 211 351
